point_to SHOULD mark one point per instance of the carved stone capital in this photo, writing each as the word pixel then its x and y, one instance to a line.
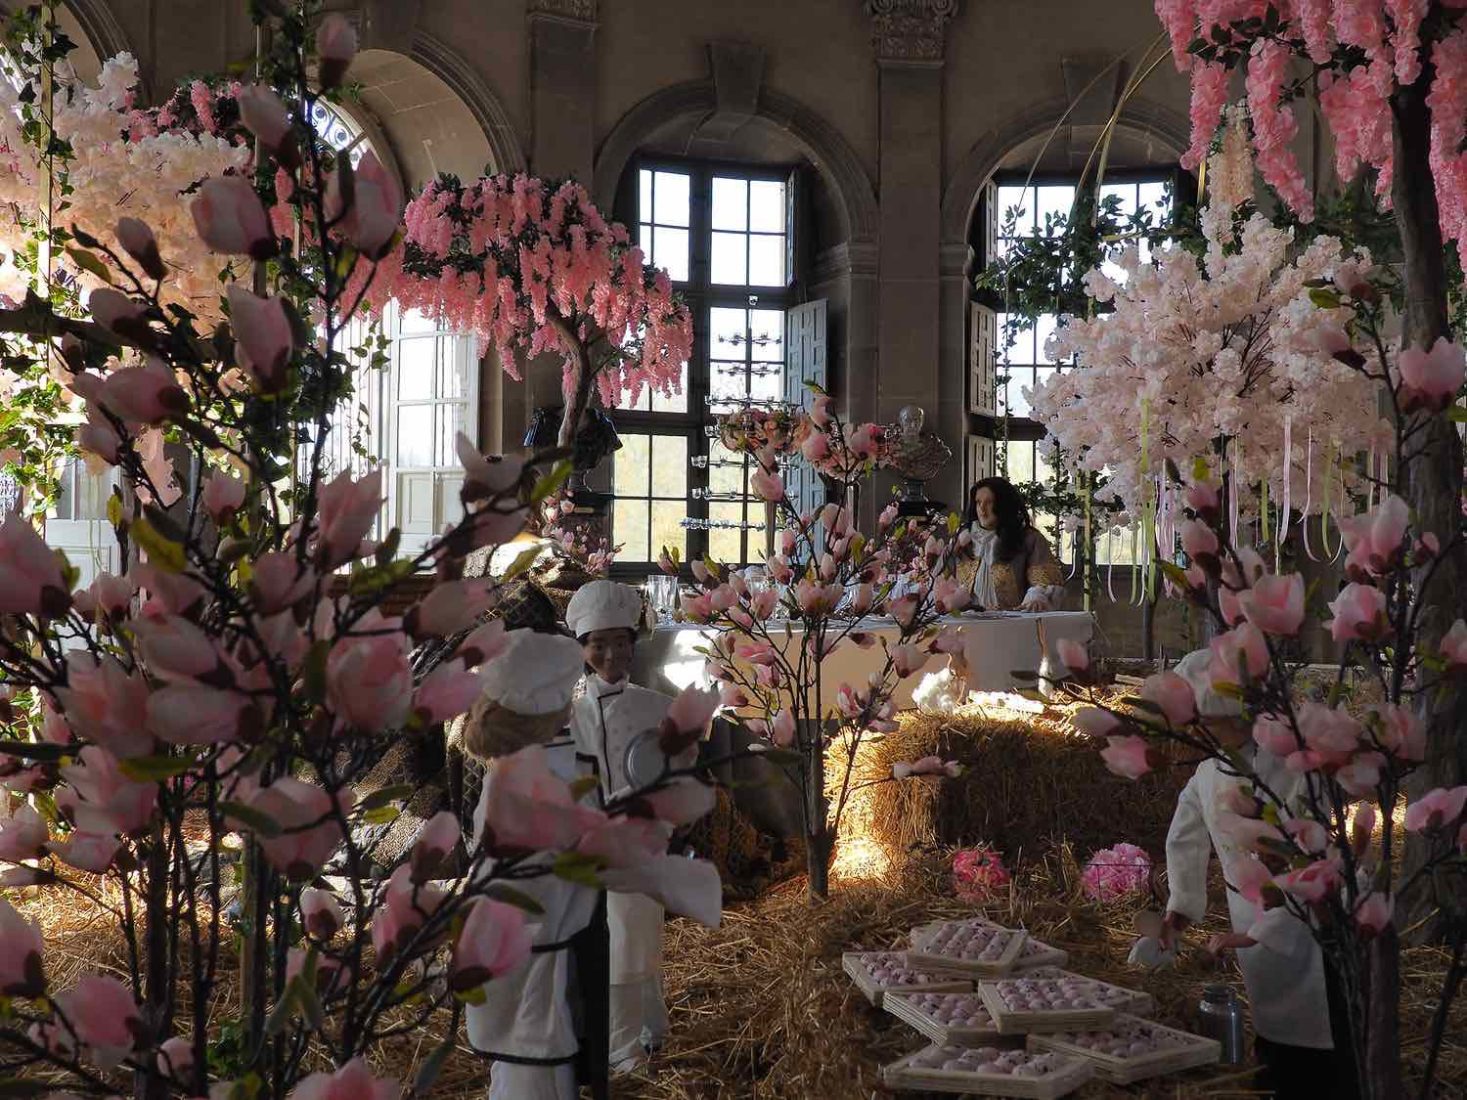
pixel 574 11
pixel 911 31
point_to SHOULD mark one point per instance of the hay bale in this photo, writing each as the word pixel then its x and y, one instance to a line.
pixel 1029 783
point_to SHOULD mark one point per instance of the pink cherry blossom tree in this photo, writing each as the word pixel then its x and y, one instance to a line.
pixel 239 676
pixel 532 267
pixel 1317 802
pixel 772 642
pixel 1390 79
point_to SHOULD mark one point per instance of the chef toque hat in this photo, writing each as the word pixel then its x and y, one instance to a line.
pixel 604 605
pixel 536 674
pixel 1196 669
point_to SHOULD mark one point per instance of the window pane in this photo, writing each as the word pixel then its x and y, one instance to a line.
pixel 670 466
pixel 768 330
pixel 730 204
pixel 417 362
pixel 726 325
pixel 667 530
pixel 1054 199
pixel 454 364
pixel 644 195
pixel 452 419
pixel 1126 192
pixel 766 206
pixel 629 528
pixel 726 544
pixel 1043 330
pixel 1021 462
pixel 670 199
pixel 644 241
pixel 1153 197
pixel 724 479
pixel 1020 197
pixel 415 323
pixel 766 261
pixel 672 252
pixel 630 465
pixel 730 261
pixel 727 379
pixel 1019 377
pixel 415 435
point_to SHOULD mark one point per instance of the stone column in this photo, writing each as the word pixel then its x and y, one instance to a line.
pixel 909 37
pixel 562 143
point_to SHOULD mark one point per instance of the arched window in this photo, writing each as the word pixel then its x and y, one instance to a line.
pixel 405 416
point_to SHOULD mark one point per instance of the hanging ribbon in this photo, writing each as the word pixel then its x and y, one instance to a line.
pixel 1370 468
pixel 1148 503
pixel 1308 492
pixel 1261 539
pixel 1237 491
pixel 1134 599
pixel 1286 493
pixel 1110 569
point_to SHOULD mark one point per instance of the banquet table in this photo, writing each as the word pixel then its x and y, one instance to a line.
pixel 996 644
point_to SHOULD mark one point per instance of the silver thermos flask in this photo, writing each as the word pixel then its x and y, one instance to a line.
pixel 1220 1017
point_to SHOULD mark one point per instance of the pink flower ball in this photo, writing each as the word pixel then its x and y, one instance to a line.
pixel 1116 872
pixel 977 871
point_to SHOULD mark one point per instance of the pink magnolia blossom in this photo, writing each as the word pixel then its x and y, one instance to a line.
pixel 23 836
pixel 1129 756
pixel 681 802
pixel 176 1058
pixel 376 208
pixel 782 729
pixel 625 842
pixel 815 599
pixel 1204 498
pixel 173 647
pixel 1229 605
pixel 950 597
pixel 1311 884
pixel 1199 541
pixel 977 872
pixel 308 829
pixel 1399 730
pixel 353 1081
pixel 1361 776
pixel 438 838
pixel 483 645
pixel 279 581
pixel 907 659
pixel 348 510
pixel 104 1016
pixel 30 573
pixel 116 312
pixel 1173 694
pixel 1331 732
pixel 336 45
pixel 1275 604
pixel 100 799
pixel 527 806
pixel 196 714
pixel 1241 651
pixel 768 486
pixel 93 852
pixel 950 639
pixel 1094 722
pixel 223 495
pixel 369 681
pixel 1375 539
pixel 406 906
pixel 264 115
pixel 1431 379
pixel 138 241
pixel 230 218
pixel 1374 913
pixel 1116 872
pixel 21 973
pixel 1454 645
pixel 927 765
pixel 1437 809
pixel 693 709
pixel 1273 734
pixel 1254 883
pixel 1074 655
pixel 816 448
pixel 147 394
pixel 1308 834
pixel 321 914
pixel 494 942
pixel 1360 615
pixel 263 338
pixel 449 690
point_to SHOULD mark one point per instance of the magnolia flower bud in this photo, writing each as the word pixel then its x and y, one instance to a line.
pixel 137 241
pixel 231 219
pixel 336 44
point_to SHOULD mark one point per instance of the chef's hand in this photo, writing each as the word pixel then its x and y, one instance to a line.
pixel 1171 927
pixel 1034 601
pixel 1224 942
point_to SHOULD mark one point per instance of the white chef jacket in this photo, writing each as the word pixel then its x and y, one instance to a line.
pixel 526 1014
pixel 1284 972
pixel 605 721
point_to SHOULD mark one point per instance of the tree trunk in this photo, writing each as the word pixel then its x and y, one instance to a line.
pixel 158 991
pixel 1435 488
pixel 819 841
pixel 1380 1077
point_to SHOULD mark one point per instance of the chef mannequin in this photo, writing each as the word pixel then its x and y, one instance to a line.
pixel 525 1024
pixel 606 617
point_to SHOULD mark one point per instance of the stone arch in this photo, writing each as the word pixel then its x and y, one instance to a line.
pixel 826 148
pixel 101 33
pixel 960 198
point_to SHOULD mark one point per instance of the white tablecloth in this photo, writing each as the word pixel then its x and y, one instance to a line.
pixel 996 645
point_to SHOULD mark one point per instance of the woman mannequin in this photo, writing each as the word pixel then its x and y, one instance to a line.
pixel 1013 568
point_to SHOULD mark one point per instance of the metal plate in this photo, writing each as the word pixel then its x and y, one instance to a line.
pixel 644 760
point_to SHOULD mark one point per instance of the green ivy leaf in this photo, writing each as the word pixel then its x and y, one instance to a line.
pixel 385 796
pixel 577 868
pixel 162 552
pixel 90 262
pixel 251 818
pixel 551 483
pixel 382 815
pixel 523 561
pixel 155 769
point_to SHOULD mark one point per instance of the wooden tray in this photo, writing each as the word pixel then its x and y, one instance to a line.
pixel 912 1072
pixel 1117 997
pixel 854 963
pixel 1011 1020
pixel 926 952
pixel 921 1011
pixel 1189 1052
pixel 1039 953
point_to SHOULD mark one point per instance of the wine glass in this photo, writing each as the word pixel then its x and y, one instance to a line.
pixel 662 592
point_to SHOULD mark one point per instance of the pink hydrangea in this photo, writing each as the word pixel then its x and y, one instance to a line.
pixel 1116 872
pixel 977 872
